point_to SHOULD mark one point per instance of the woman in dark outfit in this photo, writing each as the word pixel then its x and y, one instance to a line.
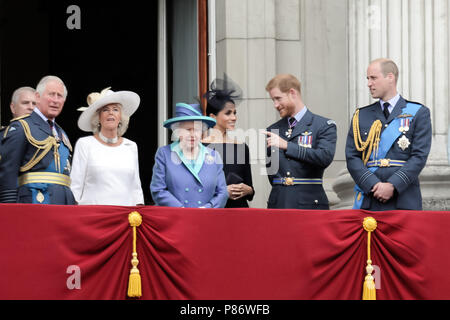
pixel 236 157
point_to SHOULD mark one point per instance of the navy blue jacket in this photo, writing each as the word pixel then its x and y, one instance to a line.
pixel 301 162
pixel 16 151
pixel 407 195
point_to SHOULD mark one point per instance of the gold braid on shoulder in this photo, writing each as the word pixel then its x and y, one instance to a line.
pixel 43 146
pixel 373 140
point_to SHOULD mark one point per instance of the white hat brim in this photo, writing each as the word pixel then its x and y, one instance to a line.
pixel 129 100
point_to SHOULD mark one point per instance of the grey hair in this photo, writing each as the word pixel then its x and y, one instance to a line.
pixel 18 92
pixel 40 88
pixel 123 124
pixel 175 132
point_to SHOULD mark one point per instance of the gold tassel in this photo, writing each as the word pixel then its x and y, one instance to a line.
pixel 134 284
pixel 369 289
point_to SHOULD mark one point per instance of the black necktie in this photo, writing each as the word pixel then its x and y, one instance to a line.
pixel 292 122
pixel 386 110
pixel 51 124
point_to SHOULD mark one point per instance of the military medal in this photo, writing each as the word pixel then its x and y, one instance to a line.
pixel 288 133
pixel 40 197
pixel 403 143
pixel 404 125
pixel 291 125
pixel 305 140
pixel 66 141
pixel 68 167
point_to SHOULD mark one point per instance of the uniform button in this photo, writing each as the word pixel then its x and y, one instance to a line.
pixel 288 173
pixel 187 189
pixel 316 201
pixel 199 202
pixel 386 125
pixel 273 151
pixel 186 201
pixel 200 190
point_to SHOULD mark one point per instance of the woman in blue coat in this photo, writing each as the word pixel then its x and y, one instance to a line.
pixel 186 173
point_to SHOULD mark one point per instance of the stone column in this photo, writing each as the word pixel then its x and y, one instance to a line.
pixel 415 34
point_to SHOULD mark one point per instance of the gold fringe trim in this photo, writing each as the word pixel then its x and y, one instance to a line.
pixel 43 146
pixel 134 283
pixel 369 290
pixel 372 142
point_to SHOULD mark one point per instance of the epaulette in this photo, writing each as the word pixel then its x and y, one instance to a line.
pixel 370 105
pixel 408 101
pixel 20 118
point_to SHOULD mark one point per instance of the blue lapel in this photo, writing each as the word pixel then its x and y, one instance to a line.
pixel 41 124
pixel 194 168
pixel 398 109
pixel 304 124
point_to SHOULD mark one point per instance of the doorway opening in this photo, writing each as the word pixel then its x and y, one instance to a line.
pixel 116 46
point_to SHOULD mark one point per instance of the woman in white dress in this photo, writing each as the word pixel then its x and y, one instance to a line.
pixel 105 168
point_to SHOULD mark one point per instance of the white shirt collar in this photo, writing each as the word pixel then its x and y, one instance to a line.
pixel 300 115
pixel 42 115
pixel 392 102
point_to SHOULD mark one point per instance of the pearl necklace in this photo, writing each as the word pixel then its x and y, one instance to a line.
pixel 108 140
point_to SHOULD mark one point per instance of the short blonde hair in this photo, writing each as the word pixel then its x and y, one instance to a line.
pixel 387 66
pixel 123 124
pixel 284 82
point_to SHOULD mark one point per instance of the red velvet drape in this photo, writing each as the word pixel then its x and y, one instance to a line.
pixel 226 254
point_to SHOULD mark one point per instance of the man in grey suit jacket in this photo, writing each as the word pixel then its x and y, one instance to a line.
pixel 386 173
pixel 303 143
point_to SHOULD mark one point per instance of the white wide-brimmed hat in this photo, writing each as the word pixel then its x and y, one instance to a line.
pixel 128 99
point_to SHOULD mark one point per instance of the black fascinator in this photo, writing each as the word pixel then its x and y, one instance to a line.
pixel 222 91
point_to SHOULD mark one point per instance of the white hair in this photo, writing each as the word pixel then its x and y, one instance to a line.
pixel 176 126
pixel 18 92
pixel 123 124
pixel 42 85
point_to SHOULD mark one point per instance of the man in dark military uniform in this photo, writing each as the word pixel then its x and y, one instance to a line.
pixel 35 152
pixel 388 144
pixel 300 147
pixel 23 102
pixel 2 132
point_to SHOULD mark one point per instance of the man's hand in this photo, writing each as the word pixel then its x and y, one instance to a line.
pixel 274 140
pixel 383 191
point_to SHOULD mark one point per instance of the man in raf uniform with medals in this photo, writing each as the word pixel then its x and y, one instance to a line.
pixel 23 102
pixel 35 159
pixel 303 143
pixel 388 145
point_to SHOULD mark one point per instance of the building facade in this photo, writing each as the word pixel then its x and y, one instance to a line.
pixel 327 44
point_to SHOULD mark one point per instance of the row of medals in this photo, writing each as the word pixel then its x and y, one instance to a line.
pixel 404 142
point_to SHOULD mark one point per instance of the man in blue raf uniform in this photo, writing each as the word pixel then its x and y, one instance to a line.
pixel 23 102
pixel 302 145
pixel 387 145
pixel 35 159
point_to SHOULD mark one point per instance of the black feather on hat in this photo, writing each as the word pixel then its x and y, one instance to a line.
pixel 222 91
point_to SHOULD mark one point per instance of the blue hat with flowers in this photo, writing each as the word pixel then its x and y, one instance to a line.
pixel 189 112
